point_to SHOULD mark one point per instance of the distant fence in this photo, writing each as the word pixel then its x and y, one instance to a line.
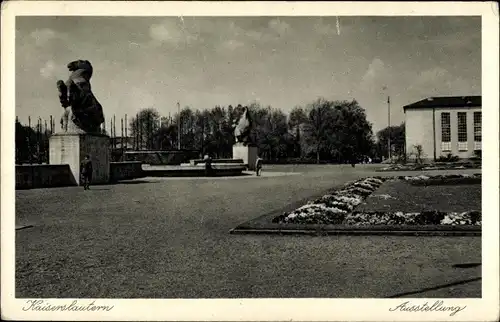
pixel 32 139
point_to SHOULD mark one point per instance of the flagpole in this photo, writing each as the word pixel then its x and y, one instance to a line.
pixel 178 126
pixel 389 125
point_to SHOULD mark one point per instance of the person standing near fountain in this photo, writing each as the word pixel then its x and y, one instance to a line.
pixel 208 165
pixel 86 170
pixel 258 166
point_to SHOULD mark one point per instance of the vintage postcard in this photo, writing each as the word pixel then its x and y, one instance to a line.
pixel 248 161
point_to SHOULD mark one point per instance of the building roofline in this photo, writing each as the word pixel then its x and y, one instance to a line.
pixel 446 102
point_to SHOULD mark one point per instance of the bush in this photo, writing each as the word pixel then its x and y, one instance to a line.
pixel 448 158
pixel 417 154
pixel 477 155
pixel 402 159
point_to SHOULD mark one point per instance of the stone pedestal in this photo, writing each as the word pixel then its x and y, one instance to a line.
pixel 71 148
pixel 247 153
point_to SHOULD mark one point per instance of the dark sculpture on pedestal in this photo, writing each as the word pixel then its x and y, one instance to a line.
pixel 243 128
pixel 82 111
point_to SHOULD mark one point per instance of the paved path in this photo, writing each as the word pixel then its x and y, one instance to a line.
pixel 169 239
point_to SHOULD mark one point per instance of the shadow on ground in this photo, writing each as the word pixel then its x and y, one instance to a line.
pixel 434 288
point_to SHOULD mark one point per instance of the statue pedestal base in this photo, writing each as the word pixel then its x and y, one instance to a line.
pixel 71 148
pixel 247 153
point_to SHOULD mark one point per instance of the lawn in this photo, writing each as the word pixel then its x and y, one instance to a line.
pixel 402 196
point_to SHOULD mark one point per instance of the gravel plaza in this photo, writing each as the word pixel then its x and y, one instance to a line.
pixel 168 238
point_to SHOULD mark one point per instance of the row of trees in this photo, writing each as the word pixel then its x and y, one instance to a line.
pixel 322 131
pixel 334 131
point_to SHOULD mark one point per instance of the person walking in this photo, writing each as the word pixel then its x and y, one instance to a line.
pixel 353 161
pixel 208 165
pixel 86 171
pixel 258 166
pixel 351 157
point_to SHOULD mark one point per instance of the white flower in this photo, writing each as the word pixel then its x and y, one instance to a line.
pixel 360 190
pixel 337 203
pixel 349 200
pixel 446 220
pixel 307 207
pixel 375 180
pixel 384 196
pixel 365 185
pixel 344 192
pixel 332 209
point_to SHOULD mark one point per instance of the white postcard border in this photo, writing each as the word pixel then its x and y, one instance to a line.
pixel 486 308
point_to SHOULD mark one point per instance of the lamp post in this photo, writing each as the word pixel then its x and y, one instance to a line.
pixel 126 132
pixel 389 125
pixel 385 89
pixel 178 126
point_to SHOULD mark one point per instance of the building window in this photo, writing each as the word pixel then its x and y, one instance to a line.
pixel 462 131
pixel 477 130
pixel 445 132
pixel 477 126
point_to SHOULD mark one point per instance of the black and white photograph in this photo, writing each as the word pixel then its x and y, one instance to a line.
pixel 160 151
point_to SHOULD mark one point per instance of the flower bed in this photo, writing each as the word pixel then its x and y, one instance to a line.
pixel 450 179
pixel 337 208
pixel 332 208
pixel 439 176
pixel 437 166
pixel 416 218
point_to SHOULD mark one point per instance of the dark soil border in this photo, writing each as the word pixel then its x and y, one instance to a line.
pixel 366 232
pixel 264 225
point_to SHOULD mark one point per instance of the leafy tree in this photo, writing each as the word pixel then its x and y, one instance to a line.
pixel 296 120
pixel 336 131
pixel 320 127
pixel 143 128
pixel 354 132
pixel 31 144
pixel 166 137
pixel 201 130
pixel 397 135
pixel 297 117
pixel 217 141
pixel 271 133
pixel 188 121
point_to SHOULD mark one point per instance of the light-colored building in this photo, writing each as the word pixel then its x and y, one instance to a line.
pixel 443 126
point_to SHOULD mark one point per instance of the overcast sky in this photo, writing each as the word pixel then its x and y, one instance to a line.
pixel 144 62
